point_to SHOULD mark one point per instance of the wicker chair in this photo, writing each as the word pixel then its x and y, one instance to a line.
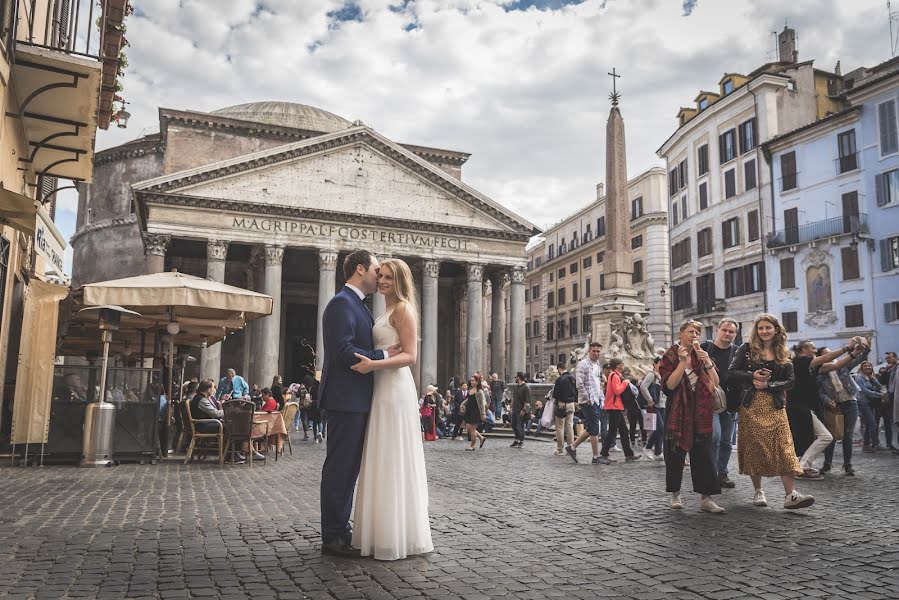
pixel 289 413
pixel 198 436
pixel 239 425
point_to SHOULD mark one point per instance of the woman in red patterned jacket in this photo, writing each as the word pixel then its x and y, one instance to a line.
pixel 614 407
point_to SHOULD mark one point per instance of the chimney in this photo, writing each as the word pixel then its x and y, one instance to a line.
pixel 786 44
pixel 600 190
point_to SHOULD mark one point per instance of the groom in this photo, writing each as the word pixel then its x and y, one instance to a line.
pixel 346 395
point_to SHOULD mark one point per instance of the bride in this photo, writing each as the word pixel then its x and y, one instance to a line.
pixel 391 509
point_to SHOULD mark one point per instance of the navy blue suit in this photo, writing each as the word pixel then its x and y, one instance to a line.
pixel 346 395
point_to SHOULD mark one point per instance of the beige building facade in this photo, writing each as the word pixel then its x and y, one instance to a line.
pixel 565 272
pixel 719 184
pixel 53 96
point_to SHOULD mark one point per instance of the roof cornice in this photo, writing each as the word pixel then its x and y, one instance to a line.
pixel 145 197
pixel 148 145
pixel 323 143
pixel 812 129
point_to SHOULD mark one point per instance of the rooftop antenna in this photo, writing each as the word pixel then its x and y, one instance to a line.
pixel 773 55
pixel 894 31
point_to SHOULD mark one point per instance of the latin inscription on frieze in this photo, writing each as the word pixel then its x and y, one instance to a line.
pixel 349 233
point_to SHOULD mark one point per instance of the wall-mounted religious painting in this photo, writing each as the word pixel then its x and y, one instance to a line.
pixel 818 289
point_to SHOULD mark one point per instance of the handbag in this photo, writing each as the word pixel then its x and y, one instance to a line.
pixel 560 410
pixel 425 410
pixel 719 400
pixel 649 421
pixel 834 422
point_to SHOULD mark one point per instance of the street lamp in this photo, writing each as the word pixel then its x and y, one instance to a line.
pixel 99 417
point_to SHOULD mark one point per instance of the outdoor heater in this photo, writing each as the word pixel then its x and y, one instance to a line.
pixel 99 417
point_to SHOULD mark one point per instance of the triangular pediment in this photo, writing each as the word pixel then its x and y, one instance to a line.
pixel 354 172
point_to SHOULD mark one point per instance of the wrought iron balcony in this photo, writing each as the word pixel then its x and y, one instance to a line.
pixel 819 230
pixel 846 163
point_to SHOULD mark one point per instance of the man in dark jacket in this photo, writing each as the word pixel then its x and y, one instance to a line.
pixel 520 408
pixel 565 394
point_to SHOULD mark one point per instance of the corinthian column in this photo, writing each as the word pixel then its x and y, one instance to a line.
pixel 516 320
pixel 211 357
pixel 497 326
pixel 429 295
pixel 155 245
pixel 327 278
pixel 270 346
pixel 474 359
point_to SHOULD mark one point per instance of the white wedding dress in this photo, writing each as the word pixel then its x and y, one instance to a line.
pixel 390 519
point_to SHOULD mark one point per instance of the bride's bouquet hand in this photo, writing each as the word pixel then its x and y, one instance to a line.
pixel 365 364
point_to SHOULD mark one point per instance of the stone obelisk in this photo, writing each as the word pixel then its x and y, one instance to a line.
pixel 618 317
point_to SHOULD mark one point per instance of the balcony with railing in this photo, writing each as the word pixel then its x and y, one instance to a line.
pixel 65 59
pixel 846 163
pixel 819 230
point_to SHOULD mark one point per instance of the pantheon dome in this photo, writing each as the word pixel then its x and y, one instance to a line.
pixel 286 114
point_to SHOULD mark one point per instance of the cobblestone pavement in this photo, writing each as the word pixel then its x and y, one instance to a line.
pixel 507 524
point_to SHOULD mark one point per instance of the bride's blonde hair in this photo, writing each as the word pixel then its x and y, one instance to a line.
pixel 403 284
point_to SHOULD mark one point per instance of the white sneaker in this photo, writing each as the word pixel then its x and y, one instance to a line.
pixel 648 455
pixel 258 456
pixel 759 498
pixel 676 501
pixel 708 505
pixel 797 500
pixel 616 448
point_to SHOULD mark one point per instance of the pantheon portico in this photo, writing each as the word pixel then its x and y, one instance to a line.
pixel 271 196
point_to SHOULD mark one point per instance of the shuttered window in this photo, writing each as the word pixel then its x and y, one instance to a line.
pixel 849 257
pixel 704 242
pixel 886 123
pixel 638 271
pixel 790 321
pixel 889 254
pixel 891 311
pixel 703 196
pixel 4 267
pixel 886 186
pixel 747 136
pixel 749 175
pixel 787 273
pixel 788 171
pixel 855 315
pixel 727 146
pixel 702 159
pixel 752 225
pixel 730 233
pixel 730 183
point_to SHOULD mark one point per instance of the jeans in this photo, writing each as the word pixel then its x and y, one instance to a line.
pixel 702 471
pixel 657 440
pixel 850 415
pixel 721 446
pixel 869 423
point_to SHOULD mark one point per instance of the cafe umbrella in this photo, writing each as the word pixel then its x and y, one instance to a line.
pixel 182 305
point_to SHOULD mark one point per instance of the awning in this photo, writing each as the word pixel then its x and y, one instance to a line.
pixel 18 211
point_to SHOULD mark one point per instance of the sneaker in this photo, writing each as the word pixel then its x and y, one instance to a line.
pixel 810 475
pixel 571 452
pixel 632 458
pixel 616 448
pixel 558 452
pixel 602 460
pixel 726 482
pixel 849 470
pixel 597 460
pixel 676 503
pixel 258 456
pixel 318 438
pixel 708 505
pixel 648 455
pixel 797 500
pixel 514 444
pixel 759 498
pixel 239 456
pixel 825 468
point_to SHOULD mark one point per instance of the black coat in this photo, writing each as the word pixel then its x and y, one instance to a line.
pixel 740 379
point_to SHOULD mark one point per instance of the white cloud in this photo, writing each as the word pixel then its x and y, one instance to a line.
pixel 524 91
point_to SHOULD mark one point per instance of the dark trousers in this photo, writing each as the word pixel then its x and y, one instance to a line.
pixel 617 426
pixel 458 425
pixel 636 420
pixel 518 426
pixel 657 439
pixel 850 416
pixel 346 435
pixel 703 472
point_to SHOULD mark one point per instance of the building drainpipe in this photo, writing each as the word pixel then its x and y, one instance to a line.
pixel 755 108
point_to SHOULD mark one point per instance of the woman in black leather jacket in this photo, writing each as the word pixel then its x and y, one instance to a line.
pixel 762 372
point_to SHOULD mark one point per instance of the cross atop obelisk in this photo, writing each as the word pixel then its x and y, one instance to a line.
pixel 614 96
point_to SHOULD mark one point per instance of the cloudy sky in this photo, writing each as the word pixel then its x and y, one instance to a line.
pixel 520 84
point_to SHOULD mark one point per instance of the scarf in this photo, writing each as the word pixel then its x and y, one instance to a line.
pixel 689 413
